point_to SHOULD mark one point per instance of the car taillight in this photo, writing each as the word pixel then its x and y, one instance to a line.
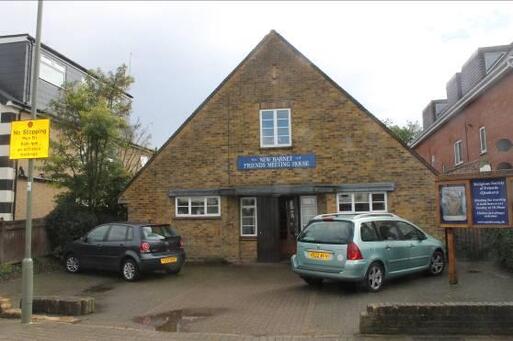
pixel 144 247
pixel 181 244
pixel 353 252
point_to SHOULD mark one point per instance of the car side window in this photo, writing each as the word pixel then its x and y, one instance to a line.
pixel 368 232
pixel 388 230
pixel 117 233
pixel 408 232
pixel 98 234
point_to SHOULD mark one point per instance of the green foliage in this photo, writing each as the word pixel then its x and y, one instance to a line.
pixel 407 133
pixel 504 247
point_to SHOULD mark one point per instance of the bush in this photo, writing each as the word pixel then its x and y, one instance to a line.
pixel 67 222
pixel 504 247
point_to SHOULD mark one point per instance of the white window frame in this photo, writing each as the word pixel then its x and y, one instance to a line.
pixel 275 127
pixel 370 202
pixel 482 140
pixel 205 200
pixel 55 66
pixel 256 216
pixel 458 151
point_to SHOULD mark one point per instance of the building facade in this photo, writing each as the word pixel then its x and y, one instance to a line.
pixel 275 144
pixel 16 53
pixel 471 130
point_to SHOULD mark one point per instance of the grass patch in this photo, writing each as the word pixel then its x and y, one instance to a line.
pixel 41 265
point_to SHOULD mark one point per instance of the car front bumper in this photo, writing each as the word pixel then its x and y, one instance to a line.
pixel 353 271
pixel 151 262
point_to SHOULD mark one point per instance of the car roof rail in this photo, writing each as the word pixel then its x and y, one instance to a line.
pixel 353 215
pixel 367 215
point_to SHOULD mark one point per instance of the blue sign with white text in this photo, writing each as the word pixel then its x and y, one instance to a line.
pixel 276 161
pixel 490 203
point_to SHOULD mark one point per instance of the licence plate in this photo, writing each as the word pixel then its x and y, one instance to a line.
pixel 168 260
pixel 319 255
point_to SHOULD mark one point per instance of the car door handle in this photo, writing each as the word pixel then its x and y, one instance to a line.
pixel 387 247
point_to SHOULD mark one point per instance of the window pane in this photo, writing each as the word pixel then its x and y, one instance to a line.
pixel 248 211
pixel 268 140
pixel 368 233
pixel 283 131
pixel 98 234
pixel 183 210
pixel 248 201
pixel 345 198
pixel 388 230
pixel 361 207
pixel 283 114
pixel 378 206
pixel 332 232
pixel 182 202
pixel 283 123
pixel 345 208
pixel 268 132
pixel 361 197
pixel 248 221
pixel 248 230
pixel 51 74
pixel 212 209
pixel 408 232
pixel 198 210
pixel 267 115
pixel 283 140
pixel 117 232
pixel 197 202
pixel 378 197
pixel 267 123
pixel 212 202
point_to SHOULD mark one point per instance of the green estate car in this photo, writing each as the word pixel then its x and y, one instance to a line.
pixel 366 248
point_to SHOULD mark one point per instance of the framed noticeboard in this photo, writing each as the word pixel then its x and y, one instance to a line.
pixel 475 200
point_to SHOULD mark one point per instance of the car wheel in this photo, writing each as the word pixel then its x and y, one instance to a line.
pixel 437 263
pixel 72 263
pixel 129 270
pixel 374 277
pixel 312 280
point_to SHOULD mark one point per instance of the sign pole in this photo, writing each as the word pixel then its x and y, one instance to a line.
pixel 451 250
pixel 27 265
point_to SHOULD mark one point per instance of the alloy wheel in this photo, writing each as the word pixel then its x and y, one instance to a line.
pixel 129 270
pixel 72 264
pixel 375 277
pixel 437 263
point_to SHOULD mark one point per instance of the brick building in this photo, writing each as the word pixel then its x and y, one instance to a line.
pixel 276 143
pixel 471 130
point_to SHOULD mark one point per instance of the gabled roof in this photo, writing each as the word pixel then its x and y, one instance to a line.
pixel 271 34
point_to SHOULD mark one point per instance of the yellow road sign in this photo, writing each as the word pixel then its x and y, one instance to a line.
pixel 30 139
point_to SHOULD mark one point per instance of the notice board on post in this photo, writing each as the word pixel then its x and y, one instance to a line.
pixel 30 139
pixel 475 200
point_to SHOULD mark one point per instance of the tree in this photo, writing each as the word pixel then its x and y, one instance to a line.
pixel 92 123
pixel 407 133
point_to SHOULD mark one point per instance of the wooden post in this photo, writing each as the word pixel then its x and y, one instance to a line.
pixel 451 257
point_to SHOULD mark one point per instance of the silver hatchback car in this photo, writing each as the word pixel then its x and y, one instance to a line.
pixel 366 248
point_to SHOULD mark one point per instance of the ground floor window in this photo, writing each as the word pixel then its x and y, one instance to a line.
pixel 248 217
pixel 198 206
pixel 362 202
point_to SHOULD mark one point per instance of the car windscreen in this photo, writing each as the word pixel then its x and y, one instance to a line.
pixel 158 232
pixel 328 232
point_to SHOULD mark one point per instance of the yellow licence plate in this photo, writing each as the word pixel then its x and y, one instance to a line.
pixel 319 255
pixel 168 260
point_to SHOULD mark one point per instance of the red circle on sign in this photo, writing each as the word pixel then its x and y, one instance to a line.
pixel 30 124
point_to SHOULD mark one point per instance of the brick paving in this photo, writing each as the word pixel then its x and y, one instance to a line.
pixel 261 302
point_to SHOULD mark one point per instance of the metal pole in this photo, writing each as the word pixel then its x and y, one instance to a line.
pixel 27 266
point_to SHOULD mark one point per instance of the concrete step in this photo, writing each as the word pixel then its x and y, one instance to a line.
pixel 15 313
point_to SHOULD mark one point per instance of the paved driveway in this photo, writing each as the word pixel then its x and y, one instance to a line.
pixel 258 299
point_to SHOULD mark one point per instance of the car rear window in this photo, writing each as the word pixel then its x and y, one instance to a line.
pixel 328 232
pixel 158 232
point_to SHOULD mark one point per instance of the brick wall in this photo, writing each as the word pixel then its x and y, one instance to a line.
pixel 350 146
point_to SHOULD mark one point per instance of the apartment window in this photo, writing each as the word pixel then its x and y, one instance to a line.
pixel 482 139
pixel 362 202
pixel 458 158
pixel 143 160
pixel 198 206
pixel 275 128
pixel 52 71
pixel 248 218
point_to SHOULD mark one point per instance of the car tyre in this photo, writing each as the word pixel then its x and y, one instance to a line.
pixel 437 263
pixel 129 270
pixel 72 263
pixel 313 281
pixel 374 278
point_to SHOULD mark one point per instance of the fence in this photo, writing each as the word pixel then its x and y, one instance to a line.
pixel 12 240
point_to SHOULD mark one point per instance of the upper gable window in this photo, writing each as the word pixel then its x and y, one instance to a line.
pixel 52 71
pixel 275 128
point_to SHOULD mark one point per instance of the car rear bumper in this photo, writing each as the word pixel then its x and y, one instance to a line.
pixel 151 262
pixel 353 271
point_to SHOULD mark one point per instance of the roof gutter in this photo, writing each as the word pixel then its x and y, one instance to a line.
pixel 469 96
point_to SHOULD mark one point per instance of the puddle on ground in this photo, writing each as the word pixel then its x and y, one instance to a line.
pixel 97 289
pixel 177 320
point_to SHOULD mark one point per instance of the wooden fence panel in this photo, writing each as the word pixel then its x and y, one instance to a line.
pixel 12 240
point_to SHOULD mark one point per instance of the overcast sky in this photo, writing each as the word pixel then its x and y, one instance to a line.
pixel 392 57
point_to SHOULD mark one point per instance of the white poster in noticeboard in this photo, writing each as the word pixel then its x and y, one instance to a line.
pixel 453 204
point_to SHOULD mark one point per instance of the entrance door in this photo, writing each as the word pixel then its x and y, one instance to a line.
pixel 268 241
pixel 308 209
pixel 289 225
